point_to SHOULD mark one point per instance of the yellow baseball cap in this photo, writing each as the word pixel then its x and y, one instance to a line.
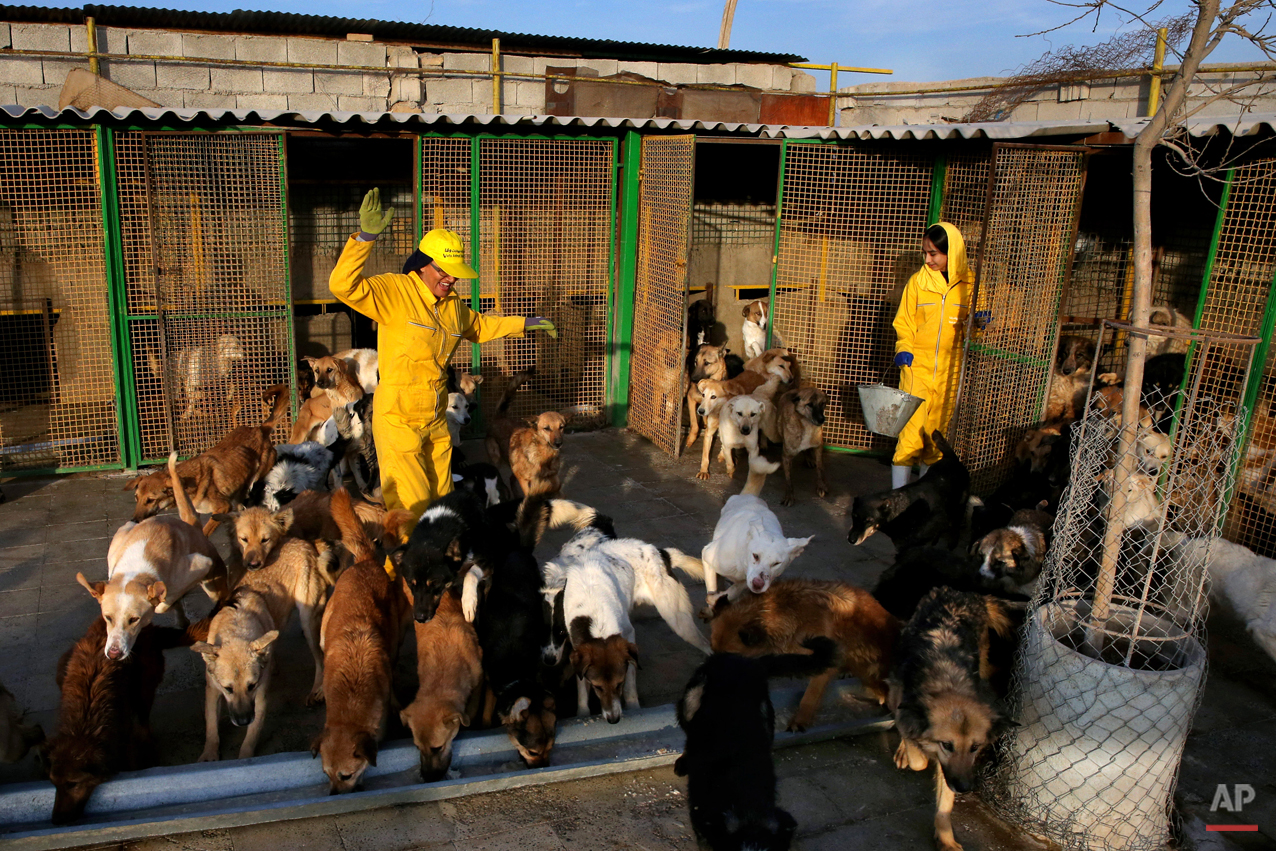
pixel 446 249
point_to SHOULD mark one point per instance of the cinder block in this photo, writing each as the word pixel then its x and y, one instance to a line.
pixel 410 89
pixel 467 61
pixel 111 40
pixel 398 56
pixel 376 85
pixel 261 48
pixel 246 81
pixel 314 102
pixel 604 67
pixel 207 100
pixel 6 39
pixel 155 43
pixel 261 101
pixel 55 70
pixel 8 94
pixel 40 37
pixel 1055 112
pixel 287 81
pixel 315 51
pixel 208 46
pixel 360 53
pixel 518 65
pixel 529 93
pixel 650 70
pixel 130 74
pixel 338 83
pixel 22 71
pixel 781 78
pixel 174 76
pixel 37 95
pixel 430 60
pixel 451 92
pixel 79 39
pixel 802 83
pixel 540 63
pixel 352 103
pixel 716 75
pixel 405 106
pixel 754 76
pixel 677 73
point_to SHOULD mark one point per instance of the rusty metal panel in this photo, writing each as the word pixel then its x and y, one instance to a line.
pixel 795 110
pixel 57 394
pixel 657 362
pixel 1026 248
pixel 850 229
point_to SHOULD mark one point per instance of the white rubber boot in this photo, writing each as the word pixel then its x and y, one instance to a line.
pixel 921 469
pixel 899 475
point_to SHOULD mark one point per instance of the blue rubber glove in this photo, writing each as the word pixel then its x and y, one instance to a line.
pixel 983 318
pixel 904 359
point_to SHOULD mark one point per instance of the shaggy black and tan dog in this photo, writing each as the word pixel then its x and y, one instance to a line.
pixel 920 512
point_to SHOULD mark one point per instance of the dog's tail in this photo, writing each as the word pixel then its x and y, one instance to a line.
pixel 516 381
pixel 671 598
pixel 277 396
pixel 539 512
pixel 945 447
pixel 689 565
pixel 759 469
pixel 352 531
pixel 823 656
pixel 184 508
pixel 998 618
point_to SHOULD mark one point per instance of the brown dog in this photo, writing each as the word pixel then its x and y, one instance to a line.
pixel 709 362
pixel 362 629
pixel 338 383
pixel 800 419
pixel 794 610
pixel 309 517
pixel 532 451
pixel 1070 378
pixel 450 672
pixel 217 480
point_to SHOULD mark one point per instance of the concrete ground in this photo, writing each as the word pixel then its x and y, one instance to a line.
pixel 843 794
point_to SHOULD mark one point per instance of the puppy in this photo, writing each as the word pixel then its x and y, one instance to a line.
pixel 220 479
pixel 918 513
pixel 1070 378
pixel 729 720
pixel 363 364
pixel 297 468
pixel 1143 508
pixel 532 451
pixel 706 362
pixel 150 567
pixel 358 451
pixel 754 329
pixel 362 628
pixel 338 384
pixel 104 716
pixel 745 420
pixel 748 545
pixel 1013 556
pixel 450 673
pixel 800 421
pixel 794 611
pixel 16 738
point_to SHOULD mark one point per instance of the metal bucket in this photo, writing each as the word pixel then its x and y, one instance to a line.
pixel 887 410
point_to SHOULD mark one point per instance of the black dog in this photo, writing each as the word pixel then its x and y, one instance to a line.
pixel 727 715
pixel 919 569
pixel 453 533
pixel 920 512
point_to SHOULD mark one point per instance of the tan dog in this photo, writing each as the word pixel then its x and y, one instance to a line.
pixel 150 567
pixel 763 364
pixel 530 450
pixel 794 610
pixel 337 383
pixel 714 395
pixel 1070 378
pixel 800 421
pixel 362 629
pixel 309 517
pixel 709 362
pixel 450 672
pixel 218 480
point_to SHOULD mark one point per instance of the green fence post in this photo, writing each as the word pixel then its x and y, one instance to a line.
pixel 288 314
pixel 129 433
pixel 626 275
pixel 609 384
pixel 775 251
pixel 937 176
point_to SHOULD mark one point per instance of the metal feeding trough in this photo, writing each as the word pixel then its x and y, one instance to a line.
pixel 887 410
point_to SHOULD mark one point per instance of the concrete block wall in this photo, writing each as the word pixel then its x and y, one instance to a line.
pixel 33 80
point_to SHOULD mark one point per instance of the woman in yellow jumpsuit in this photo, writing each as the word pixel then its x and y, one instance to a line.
pixel 929 326
pixel 420 321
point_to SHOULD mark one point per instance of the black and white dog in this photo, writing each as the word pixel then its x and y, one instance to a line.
pixel 298 467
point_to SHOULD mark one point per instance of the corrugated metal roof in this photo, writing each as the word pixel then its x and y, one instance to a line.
pixel 1246 125
pixel 285 23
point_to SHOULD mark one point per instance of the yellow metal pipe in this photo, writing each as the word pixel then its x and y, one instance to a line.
pixel 824 265
pixel 91 25
pixel 851 68
pixel 496 76
pixel 833 95
pixel 1158 65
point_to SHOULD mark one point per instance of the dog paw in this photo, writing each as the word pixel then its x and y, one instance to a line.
pixel 315 697
pixel 821 492
pixel 946 843
pixel 209 756
pixel 788 499
pixel 797 725
pixel 703 475
pixel 705 614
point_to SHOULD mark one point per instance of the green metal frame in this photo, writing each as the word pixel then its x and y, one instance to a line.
pixel 629 168
pixel 608 388
pixel 775 250
pixel 292 325
pixel 116 283
pixel 938 176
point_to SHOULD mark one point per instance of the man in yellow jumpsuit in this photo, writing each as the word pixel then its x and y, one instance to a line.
pixel 929 325
pixel 420 321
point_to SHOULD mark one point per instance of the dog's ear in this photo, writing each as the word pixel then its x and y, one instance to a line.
pixel 396 555
pixel 285 519
pixel 310 361
pixel 633 654
pixel 316 743
pixel 208 651
pixel 156 592
pixel 131 484
pixel 752 634
pixel 690 703
pixel 579 660
pixel 97 589
pixel 476 379
pixel 910 719
pixel 226 517
pixel 518 711
pixel 455 550
pixel 365 748
pixel 744 311
pixel 464 718
pixel 796 545
pixel 262 644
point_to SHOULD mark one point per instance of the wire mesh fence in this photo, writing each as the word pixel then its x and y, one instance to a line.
pixel 850 233
pixel 1112 660
pixel 545 250
pixel 445 203
pixel 208 290
pixel 1025 251
pixel 57 394
pixel 660 313
pixel 966 197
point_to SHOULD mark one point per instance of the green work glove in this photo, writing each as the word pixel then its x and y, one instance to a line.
pixel 372 219
pixel 540 323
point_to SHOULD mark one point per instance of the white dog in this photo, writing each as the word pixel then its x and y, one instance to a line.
pixel 364 364
pixel 595 581
pixel 1245 581
pixel 748 545
pixel 199 369
pixel 458 415
pixel 753 330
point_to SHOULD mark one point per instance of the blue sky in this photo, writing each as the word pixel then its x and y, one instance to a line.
pixel 921 40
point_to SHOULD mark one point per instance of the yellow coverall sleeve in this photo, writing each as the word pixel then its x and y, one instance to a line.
pixel 478 328
pixel 379 298
pixel 906 319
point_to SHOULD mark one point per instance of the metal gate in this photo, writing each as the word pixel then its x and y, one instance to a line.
pixel 851 220
pixel 58 391
pixel 660 292
pixel 1030 225
pixel 206 267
